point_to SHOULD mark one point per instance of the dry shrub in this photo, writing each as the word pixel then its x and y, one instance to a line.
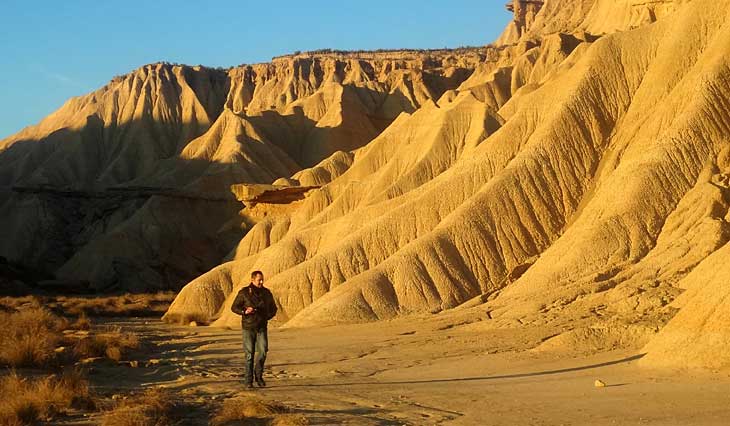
pixel 111 343
pixel 13 303
pixel 29 337
pixel 246 408
pixel 148 304
pixel 152 304
pixel 89 347
pixel 290 420
pixel 114 353
pixel 153 407
pixel 27 401
pixel 185 319
pixel 82 322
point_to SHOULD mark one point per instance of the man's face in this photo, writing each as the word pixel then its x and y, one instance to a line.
pixel 258 281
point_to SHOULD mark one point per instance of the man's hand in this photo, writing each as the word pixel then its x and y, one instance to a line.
pixel 249 311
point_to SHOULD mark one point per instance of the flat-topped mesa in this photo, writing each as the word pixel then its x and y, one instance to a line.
pixel 524 13
pixel 380 65
pixel 431 56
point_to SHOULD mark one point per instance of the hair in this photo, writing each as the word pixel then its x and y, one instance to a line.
pixel 255 274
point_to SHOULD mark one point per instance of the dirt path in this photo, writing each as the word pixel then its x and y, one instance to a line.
pixel 423 373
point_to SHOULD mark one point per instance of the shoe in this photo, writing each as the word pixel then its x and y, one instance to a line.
pixel 260 381
pixel 249 386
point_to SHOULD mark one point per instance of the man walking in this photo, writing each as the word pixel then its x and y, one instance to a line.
pixel 256 305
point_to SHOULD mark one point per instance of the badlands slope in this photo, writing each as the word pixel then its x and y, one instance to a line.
pixel 573 175
pixel 576 178
pixel 129 187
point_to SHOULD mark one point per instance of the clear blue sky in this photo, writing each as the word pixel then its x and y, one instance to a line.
pixel 52 50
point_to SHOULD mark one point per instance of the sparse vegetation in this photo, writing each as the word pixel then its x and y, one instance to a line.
pixel 125 305
pixel 28 401
pixel 458 50
pixel 185 319
pixel 117 306
pixel 35 337
pixel 82 322
pixel 289 420
pixel 254 410
pixel 153 407
pixel 29 337
pixel 109 342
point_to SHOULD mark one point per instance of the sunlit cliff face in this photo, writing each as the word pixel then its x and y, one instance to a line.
pixel 525 12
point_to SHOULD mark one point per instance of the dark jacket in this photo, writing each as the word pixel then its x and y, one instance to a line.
pixel 261 300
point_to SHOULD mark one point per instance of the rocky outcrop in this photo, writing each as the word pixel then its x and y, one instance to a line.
pixel 149 151
pixel 534 20
pixel 251 195
pixel 571 180
pixel 574 174
pixel 524 12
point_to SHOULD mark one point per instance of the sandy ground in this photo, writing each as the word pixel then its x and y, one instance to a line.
pixel 421 372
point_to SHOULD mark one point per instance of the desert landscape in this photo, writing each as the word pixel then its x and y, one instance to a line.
pixel 532 232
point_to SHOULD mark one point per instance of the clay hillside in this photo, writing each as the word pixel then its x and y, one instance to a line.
pixel 129 187
pixel 574 173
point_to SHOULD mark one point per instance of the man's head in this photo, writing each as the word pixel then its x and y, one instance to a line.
pixel 257 278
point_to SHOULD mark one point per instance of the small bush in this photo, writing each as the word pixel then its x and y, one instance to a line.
pixel 153 407
pixel 29 337
pixel 82 322
pixel 127 305
pixel 111 343
pixel 246 408
pixel 27 401
pixel 185 319
pixel 290 420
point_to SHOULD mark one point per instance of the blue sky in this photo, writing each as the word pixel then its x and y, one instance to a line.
pixel 53 50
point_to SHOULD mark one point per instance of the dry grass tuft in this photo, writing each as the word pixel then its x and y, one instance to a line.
pixel 186 319
pixel 28 401
pixel 34 337
pixel 82 322
pixel 126 305
pixel 111 343
pixel 290 420
pixel 10 304
pixel 153 407
pixel 29 337
pixel 252 410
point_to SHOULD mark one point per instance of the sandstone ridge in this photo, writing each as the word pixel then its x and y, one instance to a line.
pixel 573 175
pixel 139 159
pixel 566 183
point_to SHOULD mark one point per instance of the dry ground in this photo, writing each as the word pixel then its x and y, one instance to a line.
pixel 435 370
pixel 453 368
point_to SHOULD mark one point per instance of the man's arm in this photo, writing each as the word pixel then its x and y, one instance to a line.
pixel 239 304
pixel 272 306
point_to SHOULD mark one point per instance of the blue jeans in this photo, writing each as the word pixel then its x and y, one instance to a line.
pixel 258 341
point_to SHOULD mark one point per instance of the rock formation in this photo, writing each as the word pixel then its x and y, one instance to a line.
pixel 111 187
pixel 524 12
pixel 571 175
pixel 566 178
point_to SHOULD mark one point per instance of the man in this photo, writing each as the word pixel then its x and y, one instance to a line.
pixel 256 305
